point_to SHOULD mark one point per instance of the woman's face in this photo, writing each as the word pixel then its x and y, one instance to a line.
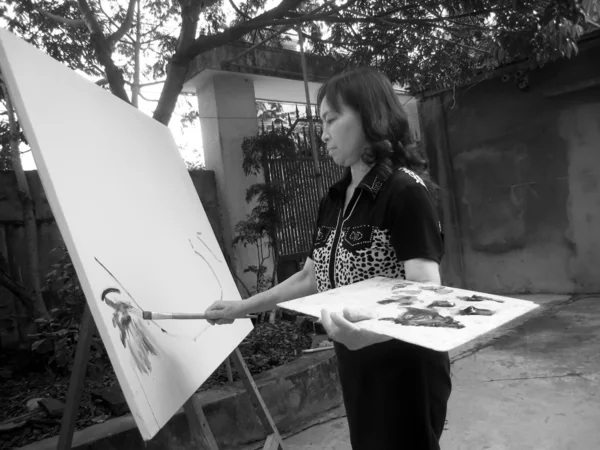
pixel 343 134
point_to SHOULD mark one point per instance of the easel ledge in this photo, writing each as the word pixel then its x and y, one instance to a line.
pixel 200 431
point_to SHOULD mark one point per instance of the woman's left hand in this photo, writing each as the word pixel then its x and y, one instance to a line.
pixel 341 329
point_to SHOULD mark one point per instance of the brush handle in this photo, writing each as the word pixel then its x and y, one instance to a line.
pixel 149 315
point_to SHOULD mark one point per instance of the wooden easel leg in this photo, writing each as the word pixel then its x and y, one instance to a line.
pixel 199 429
pixel 76 382
pixel 274 440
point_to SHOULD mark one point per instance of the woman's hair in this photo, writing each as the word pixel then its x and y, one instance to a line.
pixel 384 120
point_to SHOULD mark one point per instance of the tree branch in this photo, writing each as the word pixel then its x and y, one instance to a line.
pixel 365 18
pixel 17 290
pixel 280 32
pixel 69 22
pixel 103 49
pixel 332 42
pixel 152 83
pixel 126 25
pixel 88 17
pixel 112 22
pixel 205 43
pixel 238 10
pixel 180 63
pixel 151 100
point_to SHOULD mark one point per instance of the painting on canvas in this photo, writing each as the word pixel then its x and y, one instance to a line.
pixel 134 227
pixel 437 317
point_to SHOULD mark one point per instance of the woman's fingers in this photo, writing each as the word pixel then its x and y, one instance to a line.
pixel 327 323
pixel 219 313
pixel 358 314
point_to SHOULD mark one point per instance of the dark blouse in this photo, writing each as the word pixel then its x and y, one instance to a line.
pixel 389 220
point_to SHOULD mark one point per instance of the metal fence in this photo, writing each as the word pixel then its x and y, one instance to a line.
pixel 299 214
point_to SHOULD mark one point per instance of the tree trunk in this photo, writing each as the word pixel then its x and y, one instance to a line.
pixel 113 73
pixel 28 213
pixel 103 48
pixel 176 73
pixel 178 67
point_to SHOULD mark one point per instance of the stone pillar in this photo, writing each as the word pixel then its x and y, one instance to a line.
pixel 227 108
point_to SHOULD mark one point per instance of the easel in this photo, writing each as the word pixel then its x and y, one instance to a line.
pixel 200 431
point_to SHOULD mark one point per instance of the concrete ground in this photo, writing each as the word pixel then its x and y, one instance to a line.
pixel 533 385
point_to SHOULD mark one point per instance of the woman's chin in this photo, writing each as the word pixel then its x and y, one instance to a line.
pixel 336 159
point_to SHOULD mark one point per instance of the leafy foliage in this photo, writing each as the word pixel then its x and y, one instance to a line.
pixel 420 45
pixel 424 45
pixel 5 158
pixel 255 149
pixel 66 43
pixel 56 340
pixel 260 227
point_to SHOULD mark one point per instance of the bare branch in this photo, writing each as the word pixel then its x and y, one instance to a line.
pixel 113 23
pixel 238 10
pixel 268 18
pixel 103 50
pixel 204 43
pixel 331 41
pixel 24 295
pixel 153 83
pixel 126 25
pixel 75 23
pixel 148 99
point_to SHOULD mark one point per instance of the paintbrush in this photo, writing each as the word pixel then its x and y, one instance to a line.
pixel 151 315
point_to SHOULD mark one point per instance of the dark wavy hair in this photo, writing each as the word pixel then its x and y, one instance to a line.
pixel 384 120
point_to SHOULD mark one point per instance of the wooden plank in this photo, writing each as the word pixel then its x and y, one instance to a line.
pixel 82 353
pixel 272 443
pixel 254 394
pixel 199 428
pixel 9 334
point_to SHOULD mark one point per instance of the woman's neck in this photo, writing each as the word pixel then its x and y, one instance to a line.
pixel 358 172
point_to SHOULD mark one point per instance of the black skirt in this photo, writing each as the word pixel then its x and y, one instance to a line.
pixel 395 395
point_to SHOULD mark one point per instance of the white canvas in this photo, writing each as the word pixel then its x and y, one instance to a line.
pixel 134 226
pixel 366 295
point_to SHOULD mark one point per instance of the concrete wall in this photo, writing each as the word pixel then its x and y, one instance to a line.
pixel 13 254
pixel 520 172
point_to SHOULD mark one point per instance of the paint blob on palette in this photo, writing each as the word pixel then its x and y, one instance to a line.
pixel 437 317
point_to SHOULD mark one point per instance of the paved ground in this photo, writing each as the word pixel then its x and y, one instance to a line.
pixel 533 386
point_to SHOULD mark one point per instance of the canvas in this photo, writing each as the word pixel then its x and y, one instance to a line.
pixel 134 227
pixel 393 307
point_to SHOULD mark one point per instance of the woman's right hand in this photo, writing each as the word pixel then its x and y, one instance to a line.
pixel 224 312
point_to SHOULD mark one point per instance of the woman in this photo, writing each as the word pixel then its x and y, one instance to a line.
pixel 378 220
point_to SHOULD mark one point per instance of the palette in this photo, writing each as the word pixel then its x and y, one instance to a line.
pixel 389 298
